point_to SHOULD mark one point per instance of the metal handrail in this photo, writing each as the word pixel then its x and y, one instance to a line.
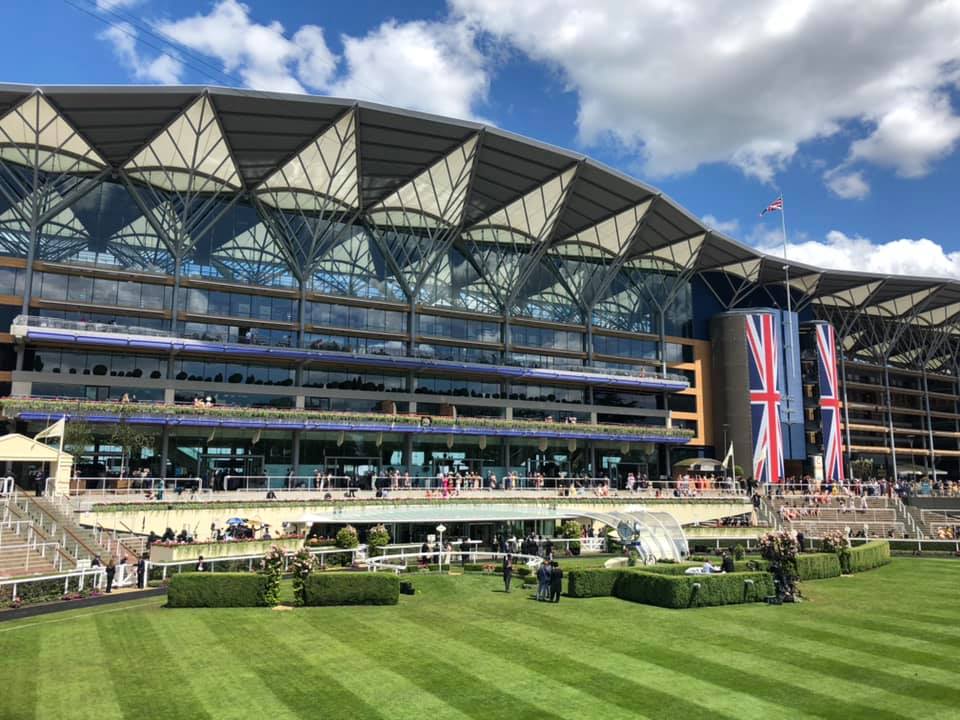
pixel 512 359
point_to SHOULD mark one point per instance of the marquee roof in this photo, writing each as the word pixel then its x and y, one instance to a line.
pixel 383 160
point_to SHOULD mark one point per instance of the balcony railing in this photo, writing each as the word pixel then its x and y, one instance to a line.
pixel 40 409
pixel 44 328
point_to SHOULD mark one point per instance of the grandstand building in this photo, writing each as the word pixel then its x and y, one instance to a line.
pixel 356 288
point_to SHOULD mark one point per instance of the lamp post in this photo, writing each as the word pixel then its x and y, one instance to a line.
pixel 441 528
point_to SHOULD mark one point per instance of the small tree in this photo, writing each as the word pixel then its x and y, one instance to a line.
pixel 77 437
pixel 347 537
pixel 302 565
pixel 781 550
pixel 272 567
pixel 132 439
pixel 571 529
pixel 377 537
pixel 836 541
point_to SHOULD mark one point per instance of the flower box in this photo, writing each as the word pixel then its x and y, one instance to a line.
pixel 162 553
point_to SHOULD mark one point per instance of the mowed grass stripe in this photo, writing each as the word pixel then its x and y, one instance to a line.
pixel 806 699
pixel 517 664
pixel 476 694
pixel 396 695
pixel 308 687
pixel 934 686
pixel 187 636
pixel 841 641
pixel 19 654
pixel 890 642
pixel 610 675
pixel 142 694
pixel 759 654
pixel 58 694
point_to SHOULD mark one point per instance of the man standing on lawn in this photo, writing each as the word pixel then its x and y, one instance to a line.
pixel 507 571
pixel 543 581
pixel 556 581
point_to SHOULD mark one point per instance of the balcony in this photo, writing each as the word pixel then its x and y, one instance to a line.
pixel 160 414
pixel 120 337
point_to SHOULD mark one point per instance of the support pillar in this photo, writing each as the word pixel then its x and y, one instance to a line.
pixel 164 451
pixel 295 453
pixel 889 403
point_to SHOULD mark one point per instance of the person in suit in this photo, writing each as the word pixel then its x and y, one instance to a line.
pixel 543 581
pixel 111 573
pixel 556 581
pixel 507 571
pixel 142 571
pixel 464 552
pixel 727 565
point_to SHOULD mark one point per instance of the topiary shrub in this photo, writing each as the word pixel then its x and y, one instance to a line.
pixel 377 537
pixel 664 589
pixel 218 590
pixel 351 588
pixel 683 591
pixel 271 567
pixel 302 565
pixel 347 537
pixel 738 552
pixel 869 555
pixel 571 529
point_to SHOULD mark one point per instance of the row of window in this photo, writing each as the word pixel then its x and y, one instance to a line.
pixel 201 301
pixel 640 349
pixel 229 372
pixel 369 382
pixel 546 338
pixel 459 329
pixel 356 318
pixel 101 291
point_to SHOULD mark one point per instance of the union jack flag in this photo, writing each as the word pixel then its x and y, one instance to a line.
pixel 774 206
pixel 763 363
pixel 829 402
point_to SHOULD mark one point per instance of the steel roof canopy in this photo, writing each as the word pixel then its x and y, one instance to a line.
pixel 264 130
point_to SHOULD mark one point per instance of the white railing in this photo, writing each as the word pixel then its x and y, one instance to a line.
pixel 156 487
pixel 386 562
pixel 192 489
pixel 356 554
pixel 97 577
pixel 32 548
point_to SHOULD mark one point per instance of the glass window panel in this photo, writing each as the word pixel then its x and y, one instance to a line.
pixel 151 297
pixel 80 289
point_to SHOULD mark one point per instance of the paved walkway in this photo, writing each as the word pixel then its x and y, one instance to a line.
pixel 117 596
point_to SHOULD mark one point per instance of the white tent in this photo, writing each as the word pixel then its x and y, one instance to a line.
pixel 19 448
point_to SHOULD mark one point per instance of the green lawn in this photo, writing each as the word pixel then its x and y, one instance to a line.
pixel 882 644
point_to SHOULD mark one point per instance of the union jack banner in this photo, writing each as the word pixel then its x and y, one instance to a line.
pixel 829 403
pixel 774 206
pixel 763 361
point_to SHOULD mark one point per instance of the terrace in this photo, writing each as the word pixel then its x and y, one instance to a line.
pixel 160 414
pixel 514 367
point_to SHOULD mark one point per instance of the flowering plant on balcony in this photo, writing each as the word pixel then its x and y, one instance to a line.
pixel 13 407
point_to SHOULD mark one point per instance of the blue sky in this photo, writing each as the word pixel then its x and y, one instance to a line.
pixel 854 116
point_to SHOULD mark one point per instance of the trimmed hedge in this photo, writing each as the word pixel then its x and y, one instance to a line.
pixel 352 589
pixel 681 591
pixel 192 589
pixel 816 566
pixel 869 555
pixel 663 589
pixel 597 582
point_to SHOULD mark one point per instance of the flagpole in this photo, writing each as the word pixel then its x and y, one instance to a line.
pixel 789 323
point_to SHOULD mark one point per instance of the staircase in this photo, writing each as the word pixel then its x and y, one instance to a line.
pixel 54 523
pixel 24 550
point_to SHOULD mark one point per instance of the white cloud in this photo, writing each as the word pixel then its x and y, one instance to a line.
pixel 728 227
pixel 848 185
pixel 840 251
pixel 262 55
pixel 114 4
pixel 911 137
pixel 162 69
pixel 682 83
pixel 431 66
